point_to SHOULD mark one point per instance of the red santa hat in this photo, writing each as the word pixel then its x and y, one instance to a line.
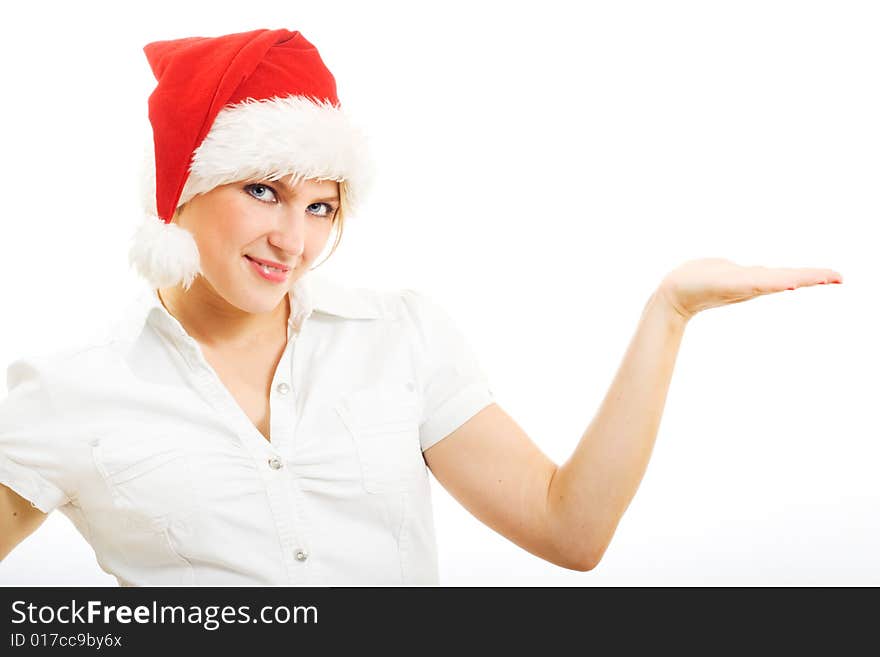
pixel 258 104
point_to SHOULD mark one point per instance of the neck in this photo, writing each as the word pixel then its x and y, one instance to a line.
pixel 214 322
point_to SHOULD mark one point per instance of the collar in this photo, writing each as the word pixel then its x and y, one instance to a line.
pixel 322 294
pixel 310 293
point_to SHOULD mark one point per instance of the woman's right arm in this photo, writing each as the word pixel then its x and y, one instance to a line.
pixel 18 519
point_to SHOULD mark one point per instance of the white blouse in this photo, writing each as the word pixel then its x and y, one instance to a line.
pixel 138 442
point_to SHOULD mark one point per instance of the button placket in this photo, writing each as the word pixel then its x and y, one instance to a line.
pixel 285 508
pixel 282 409
pixel 283 420
pixel 285 409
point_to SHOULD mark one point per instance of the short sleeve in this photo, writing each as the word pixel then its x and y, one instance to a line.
pixel 29 458
pixel 453 385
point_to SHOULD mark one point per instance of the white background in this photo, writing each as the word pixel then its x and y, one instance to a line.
pixel 540 167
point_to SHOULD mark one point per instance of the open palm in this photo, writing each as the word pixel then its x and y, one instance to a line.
pixel 709 282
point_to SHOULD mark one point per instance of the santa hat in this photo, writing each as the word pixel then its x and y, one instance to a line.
pixel 251 105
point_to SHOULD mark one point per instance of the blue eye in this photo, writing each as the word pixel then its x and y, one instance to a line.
pixel 266 194
pixel 330 211
pixel 258 191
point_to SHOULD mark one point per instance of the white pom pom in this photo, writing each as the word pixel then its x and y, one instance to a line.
pixel 164 254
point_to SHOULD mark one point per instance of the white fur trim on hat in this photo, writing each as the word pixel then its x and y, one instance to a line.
pixel 272 138
pixel 164 254
pixel 276 137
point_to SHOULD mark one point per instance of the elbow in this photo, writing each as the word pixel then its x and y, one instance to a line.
pixel 581 561
pixel 579 543
pixel 587 557
pixel 587 562
pixel 576 551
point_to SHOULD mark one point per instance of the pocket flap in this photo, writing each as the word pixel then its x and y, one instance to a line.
pixel 380 408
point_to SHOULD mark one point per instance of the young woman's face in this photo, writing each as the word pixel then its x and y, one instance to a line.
pixel 265 220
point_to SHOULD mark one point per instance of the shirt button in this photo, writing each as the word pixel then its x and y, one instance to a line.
pixel 301 555
pixel 282 388
pixel 275 463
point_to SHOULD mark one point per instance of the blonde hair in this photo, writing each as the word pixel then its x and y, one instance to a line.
pixel 338 219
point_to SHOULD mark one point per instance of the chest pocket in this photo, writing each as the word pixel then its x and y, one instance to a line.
pixel 150 477
pixel 384 425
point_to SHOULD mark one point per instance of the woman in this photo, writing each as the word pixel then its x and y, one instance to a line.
pixel 250 422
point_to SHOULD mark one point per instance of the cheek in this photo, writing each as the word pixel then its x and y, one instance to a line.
pixel 316 238
pixel 229 234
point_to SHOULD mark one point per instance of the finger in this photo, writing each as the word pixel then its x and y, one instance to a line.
pixel 806 277
pixel 820 276
pixel 767 280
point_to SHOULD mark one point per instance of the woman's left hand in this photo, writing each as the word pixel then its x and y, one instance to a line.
pixel 700 284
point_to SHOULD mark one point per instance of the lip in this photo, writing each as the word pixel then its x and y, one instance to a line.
pixel 273 276
pixel 277 265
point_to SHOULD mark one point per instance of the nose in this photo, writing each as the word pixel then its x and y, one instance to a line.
pixel 289 234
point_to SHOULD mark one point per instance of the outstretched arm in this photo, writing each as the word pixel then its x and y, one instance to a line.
pixel 568 514
pixel 590 491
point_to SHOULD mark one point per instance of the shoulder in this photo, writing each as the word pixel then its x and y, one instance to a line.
pixel 69 366
pixel 89 353
pixel 345 300
pixel 432 327
pixel 423 311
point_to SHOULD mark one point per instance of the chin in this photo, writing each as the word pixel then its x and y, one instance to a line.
pixel 261 302
pixel 250 298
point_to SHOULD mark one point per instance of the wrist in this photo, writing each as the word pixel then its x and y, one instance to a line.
pixel 664 303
